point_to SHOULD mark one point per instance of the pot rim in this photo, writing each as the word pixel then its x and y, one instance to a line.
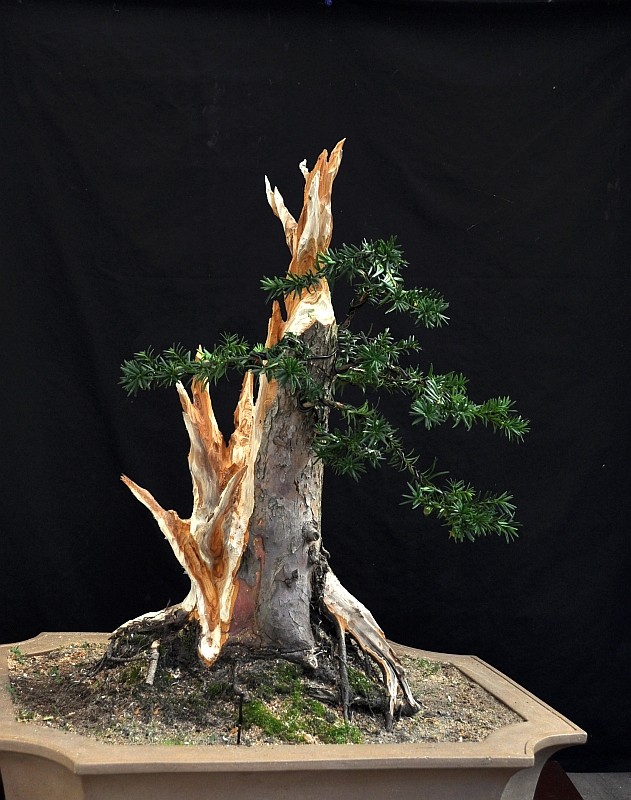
pixel 513 746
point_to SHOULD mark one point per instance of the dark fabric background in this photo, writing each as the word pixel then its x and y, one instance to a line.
pixel 493 140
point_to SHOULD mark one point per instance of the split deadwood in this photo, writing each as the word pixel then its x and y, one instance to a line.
pixel 153 662
pixel 252 546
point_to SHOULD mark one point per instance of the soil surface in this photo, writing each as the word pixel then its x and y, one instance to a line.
pixel 247 702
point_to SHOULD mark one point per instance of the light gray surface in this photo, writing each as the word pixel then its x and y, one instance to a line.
pixel 603 785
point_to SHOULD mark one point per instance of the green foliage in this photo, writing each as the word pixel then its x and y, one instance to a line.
pixel 366 440
pixel 374 362
pixel 287 362
pixel 467 513
pixel 147 370
pixel 444 397
pixel 255 712
pixel 279 286
pixel 359 436
pixel 374 271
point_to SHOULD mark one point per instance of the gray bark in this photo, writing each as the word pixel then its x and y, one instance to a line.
pixel 285 532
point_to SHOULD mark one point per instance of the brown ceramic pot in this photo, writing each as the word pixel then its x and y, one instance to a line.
pixel 40 763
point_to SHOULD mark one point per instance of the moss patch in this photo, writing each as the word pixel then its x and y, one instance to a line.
pixel 297 718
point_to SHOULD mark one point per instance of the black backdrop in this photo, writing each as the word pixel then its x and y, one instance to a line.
pixel 494 140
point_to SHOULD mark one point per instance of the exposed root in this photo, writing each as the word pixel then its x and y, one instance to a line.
pixel 345 689
pixel 134 636
pixel 153 662
pixel 168 638
pixel 355 619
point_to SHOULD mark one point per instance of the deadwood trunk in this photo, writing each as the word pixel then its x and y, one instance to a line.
pixel 252 547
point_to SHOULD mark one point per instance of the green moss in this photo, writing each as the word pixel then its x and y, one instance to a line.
pixel 133 674
pixel 360 683
pixel 216 689
pixel 428 667
pixel 344 733
pixel 53 673
pixel 299 719
pixel 279 679
pixel 286 677
pixel 18 655
pixel 255 712
pixel 323 723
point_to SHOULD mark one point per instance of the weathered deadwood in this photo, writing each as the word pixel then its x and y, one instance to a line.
pixel 210 545
pixel 230 480
pixel 252 547
pixel 356 620
pixel 153 662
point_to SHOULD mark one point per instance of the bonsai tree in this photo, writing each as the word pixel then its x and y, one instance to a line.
pixel 252 548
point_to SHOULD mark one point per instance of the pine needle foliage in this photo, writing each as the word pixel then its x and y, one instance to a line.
pixel 352 437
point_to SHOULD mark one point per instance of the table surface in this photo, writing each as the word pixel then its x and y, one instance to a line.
pixel 554 784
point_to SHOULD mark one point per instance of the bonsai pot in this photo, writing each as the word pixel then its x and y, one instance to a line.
pixel 40 763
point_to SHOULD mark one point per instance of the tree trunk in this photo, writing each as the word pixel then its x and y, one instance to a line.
pixel 252 547
pixel 276 586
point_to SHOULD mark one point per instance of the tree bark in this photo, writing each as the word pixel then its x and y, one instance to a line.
pixel 276 584
pixel 252 547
